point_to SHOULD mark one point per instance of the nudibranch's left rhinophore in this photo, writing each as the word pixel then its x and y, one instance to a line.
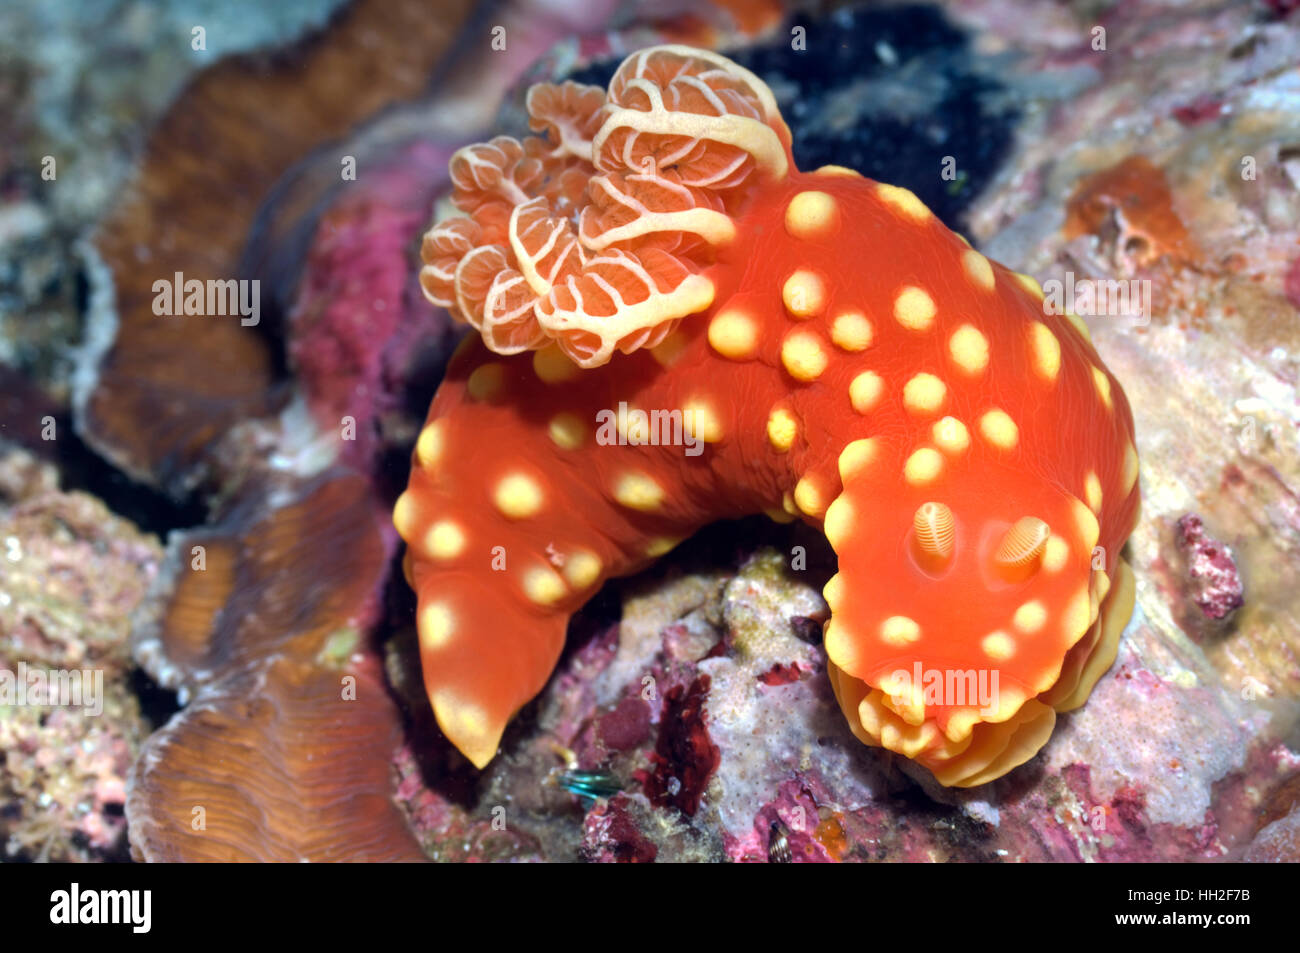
pixel 810 345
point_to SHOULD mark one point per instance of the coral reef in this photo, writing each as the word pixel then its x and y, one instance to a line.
pixel 1167 156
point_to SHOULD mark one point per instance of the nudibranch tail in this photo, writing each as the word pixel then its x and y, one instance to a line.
pixel 522 502
pixel 809 345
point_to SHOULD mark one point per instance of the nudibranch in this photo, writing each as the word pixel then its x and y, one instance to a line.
pixel 810 345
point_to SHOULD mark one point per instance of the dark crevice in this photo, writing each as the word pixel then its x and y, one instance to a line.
pixel 157 704
pixel 888 92
pixel 149 508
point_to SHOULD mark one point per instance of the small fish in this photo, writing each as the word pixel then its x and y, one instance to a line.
pixel 778 844
pixel 590 785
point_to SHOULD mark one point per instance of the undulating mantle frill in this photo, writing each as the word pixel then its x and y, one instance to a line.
pixel 810 345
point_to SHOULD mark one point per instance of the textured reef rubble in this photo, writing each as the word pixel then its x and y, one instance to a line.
pixel 698 689
pixel 73 575
pixel 767 747
pixel 1211 567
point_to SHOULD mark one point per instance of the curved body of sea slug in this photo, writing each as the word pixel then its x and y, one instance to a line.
pixel 810 345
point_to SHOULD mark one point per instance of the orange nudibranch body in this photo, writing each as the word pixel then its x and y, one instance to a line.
pixel 678 326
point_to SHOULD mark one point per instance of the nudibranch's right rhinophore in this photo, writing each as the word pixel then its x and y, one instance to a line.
pixel 651 276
